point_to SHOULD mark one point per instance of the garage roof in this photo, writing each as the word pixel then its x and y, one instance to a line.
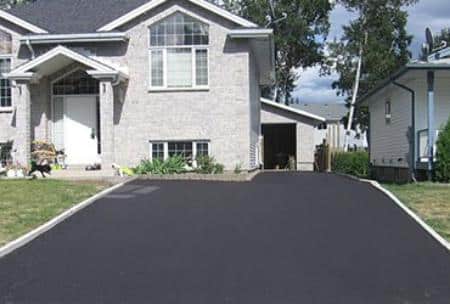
pixel 292 110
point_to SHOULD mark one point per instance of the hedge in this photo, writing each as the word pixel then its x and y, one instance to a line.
pixel 353 163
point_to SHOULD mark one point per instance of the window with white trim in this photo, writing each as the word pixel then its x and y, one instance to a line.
pixel 5 67
pixel 179 53
pixel 189 150
pixel 158 151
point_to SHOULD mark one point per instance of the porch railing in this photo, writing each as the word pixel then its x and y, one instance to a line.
pixel 423 147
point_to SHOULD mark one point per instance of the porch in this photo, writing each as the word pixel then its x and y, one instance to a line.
pixel 66 98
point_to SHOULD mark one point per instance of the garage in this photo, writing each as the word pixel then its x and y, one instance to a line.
pixel 280 147
pixel 288 137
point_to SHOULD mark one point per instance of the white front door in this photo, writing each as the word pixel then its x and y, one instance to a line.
pixel 80 130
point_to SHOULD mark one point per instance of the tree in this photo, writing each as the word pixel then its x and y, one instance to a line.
pixel 300 31
pixel 378 36
pixel 442 166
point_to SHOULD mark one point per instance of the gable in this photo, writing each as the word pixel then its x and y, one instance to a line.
pixel 87 16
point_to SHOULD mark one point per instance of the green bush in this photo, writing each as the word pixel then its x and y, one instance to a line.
pixel 442 166
pixel 353 163
pixel 208 165
pixel 173 165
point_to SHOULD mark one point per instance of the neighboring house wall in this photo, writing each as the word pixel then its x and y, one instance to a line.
pixel 305 133
pixel 389 146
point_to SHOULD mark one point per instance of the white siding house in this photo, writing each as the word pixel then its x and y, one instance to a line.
pixel 406 113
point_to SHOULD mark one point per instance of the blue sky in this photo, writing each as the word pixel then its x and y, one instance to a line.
pixel 433 13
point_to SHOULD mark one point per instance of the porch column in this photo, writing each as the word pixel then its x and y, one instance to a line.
pixel 23 124
pixel 107 123
pixel 431 128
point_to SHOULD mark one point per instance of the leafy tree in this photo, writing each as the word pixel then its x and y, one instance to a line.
pixel 300 31
pixel 379 34
pixel 442 166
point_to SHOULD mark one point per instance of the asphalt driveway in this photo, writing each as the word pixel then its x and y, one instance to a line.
pixel 283 238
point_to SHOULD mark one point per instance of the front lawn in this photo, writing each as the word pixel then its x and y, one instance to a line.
pixel 430 201
pixel 26 204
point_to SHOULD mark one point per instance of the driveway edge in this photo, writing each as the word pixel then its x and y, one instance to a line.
pixel 28 237
pixel 407 210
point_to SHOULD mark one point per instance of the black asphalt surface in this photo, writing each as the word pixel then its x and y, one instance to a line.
pixel 283 238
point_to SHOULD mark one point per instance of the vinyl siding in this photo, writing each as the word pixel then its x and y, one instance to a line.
pixel 389 142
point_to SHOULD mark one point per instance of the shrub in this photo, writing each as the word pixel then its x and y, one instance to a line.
pixel 238 168
pixel 173 165
pixel 208 165
pixel 442 166
pixel 353 163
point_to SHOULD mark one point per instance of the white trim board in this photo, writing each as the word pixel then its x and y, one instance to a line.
pixel 27 238
pixel 22 23
pixel 152 4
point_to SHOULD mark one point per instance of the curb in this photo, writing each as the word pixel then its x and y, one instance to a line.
pixel 28 237
pixel 402 206
pixel 413 215
pixel 247 177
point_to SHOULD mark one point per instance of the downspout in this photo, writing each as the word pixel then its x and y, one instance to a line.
pixel 412 140
pixel 30 47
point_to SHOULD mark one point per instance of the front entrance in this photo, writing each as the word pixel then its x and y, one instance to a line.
pixel 280 146
pixel 80 130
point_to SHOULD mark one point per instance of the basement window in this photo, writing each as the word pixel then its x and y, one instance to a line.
pixel 188 150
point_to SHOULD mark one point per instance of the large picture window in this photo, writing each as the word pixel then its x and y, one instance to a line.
pixel 179 53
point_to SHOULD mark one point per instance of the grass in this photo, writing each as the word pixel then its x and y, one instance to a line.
pixel 429 201
pixel 26 204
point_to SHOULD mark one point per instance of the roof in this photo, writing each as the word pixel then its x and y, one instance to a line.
pixel 331 112
pixel 443 64
pixel 61 55
pixel 88 16
pixel 73 16
pixel 277 105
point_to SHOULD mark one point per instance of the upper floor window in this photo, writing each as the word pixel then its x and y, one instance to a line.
pixel 179 53
pixel 5 67
pixel 387 110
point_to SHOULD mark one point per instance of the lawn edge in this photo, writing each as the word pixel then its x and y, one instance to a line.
pixel 30 236
pixel 411 213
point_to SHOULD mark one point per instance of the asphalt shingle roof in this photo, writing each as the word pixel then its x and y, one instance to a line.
pixel 331 112
pixel 73 16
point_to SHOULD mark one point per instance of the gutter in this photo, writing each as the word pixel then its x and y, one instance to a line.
pixel 412 140
pixel 74 38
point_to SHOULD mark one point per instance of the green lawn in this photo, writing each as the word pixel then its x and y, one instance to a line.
pixel 26 204
pixel 430 201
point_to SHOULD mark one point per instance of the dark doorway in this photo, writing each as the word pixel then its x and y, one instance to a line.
pixel 280 144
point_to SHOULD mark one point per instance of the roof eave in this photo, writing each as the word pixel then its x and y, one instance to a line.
pixel 292 110
pixel 154 3
pixel 403 70
pixel 22 23
pixel 74 38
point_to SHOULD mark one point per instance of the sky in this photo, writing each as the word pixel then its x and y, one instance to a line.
pixel 427 13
